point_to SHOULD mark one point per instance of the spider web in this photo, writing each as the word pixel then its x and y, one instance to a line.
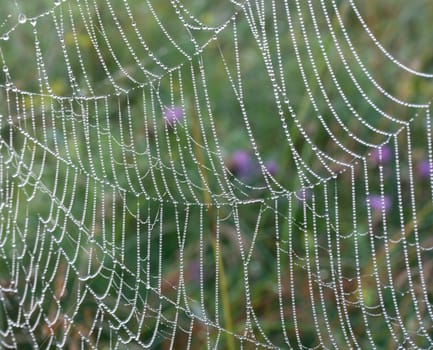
pixel 125 223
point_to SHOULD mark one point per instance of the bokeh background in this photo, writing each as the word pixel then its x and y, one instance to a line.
pixel 120 97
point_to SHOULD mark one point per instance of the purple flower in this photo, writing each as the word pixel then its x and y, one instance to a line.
pixel 242 164
pixel 303 195
pixel 386 154
pixel 271 167
pixel 173 114
pixel 376 202
pixel 424 169
pixel 194 269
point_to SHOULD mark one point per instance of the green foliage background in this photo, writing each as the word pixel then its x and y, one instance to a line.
pixel 402 27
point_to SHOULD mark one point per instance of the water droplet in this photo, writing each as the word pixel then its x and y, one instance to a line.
pixel 57 2
pixel 22 18
pixel 5 68
pixel 33 22
pixel 5 37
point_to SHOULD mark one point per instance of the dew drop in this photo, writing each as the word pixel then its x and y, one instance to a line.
pixel 57 2
pixel 5 68
pixel 5 37
pixel 33 22
pixel 22 18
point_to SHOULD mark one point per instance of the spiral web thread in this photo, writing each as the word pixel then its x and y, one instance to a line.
pixel 120 230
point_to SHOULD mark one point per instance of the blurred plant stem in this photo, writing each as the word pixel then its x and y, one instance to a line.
pixel 208 202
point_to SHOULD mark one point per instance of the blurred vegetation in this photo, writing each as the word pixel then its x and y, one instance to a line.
pixel 100 180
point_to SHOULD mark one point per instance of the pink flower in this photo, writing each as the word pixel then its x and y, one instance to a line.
pixel 386 155
pixel 194 270
pixel 272 167
pixel 377 204
pixel 173 115
pixel 241 164
pixel 303 195
pixel 424 169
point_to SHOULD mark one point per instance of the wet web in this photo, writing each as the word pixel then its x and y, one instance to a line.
pixel 125 223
